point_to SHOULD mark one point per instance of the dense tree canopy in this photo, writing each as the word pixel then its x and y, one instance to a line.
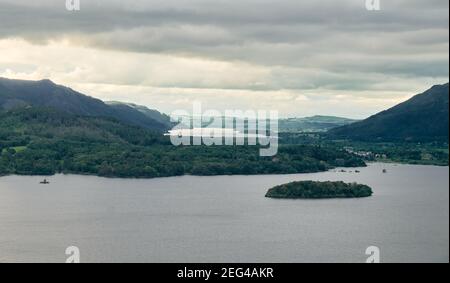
pixel 319 190
pixel 44 142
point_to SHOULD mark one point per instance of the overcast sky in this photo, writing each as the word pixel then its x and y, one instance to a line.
pixel 301 57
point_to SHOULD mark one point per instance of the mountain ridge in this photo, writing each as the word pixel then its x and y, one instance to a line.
pixel 151 113
pixel 45 93
pixel 422 118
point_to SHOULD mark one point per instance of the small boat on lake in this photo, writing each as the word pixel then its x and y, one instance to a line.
pixel 45 182
pixel 384 171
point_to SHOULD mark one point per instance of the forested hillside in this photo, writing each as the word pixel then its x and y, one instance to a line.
pixel 46 94
pixel 423 118
pixel 45 141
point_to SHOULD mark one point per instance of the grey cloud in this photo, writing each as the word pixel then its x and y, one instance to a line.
pixel 408 38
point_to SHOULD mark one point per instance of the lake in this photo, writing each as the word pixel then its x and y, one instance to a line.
pixel 225 218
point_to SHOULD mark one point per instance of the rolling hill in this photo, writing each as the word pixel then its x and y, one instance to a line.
pixel 150 113
pixel 45 93
pixel 423 118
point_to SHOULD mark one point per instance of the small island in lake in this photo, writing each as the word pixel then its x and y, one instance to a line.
pixel 319 190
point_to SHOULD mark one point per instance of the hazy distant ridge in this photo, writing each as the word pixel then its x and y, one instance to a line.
pixel 313 124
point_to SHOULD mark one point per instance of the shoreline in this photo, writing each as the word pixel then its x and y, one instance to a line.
pixel 409 163
pixel 336 169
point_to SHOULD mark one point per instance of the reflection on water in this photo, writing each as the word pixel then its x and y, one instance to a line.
pixel 225 219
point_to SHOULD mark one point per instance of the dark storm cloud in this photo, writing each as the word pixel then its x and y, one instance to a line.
pixel 104 15
pixel 406 38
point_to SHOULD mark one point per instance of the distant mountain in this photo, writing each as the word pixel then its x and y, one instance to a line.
pixel 150 113
pixel 313 124
pixel 422 118
pixel 20 93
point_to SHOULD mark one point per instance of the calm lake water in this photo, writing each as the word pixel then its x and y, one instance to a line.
pixel 225 219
